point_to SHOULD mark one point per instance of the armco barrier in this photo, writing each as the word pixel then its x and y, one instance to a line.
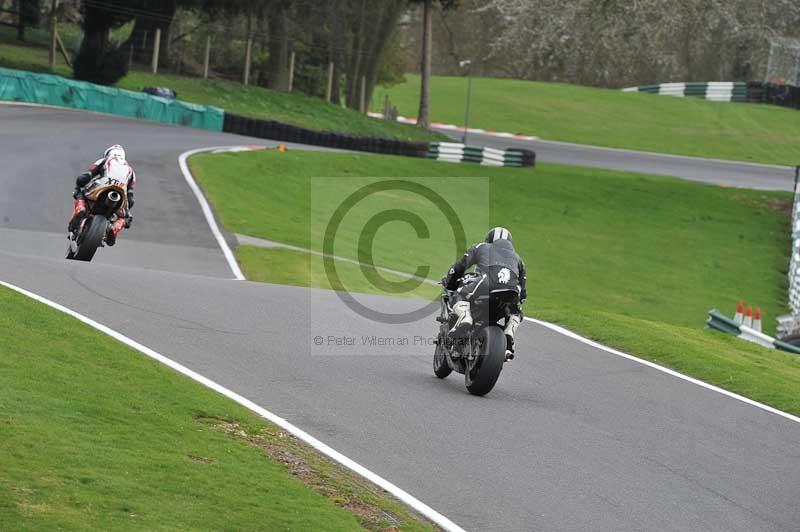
pixel 47 89
pixel 273 130
pixel 721 323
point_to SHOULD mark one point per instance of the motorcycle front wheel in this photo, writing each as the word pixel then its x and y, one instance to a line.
pixel 441 368
pixel 483 372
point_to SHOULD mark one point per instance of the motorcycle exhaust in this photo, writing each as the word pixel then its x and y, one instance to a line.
pixel 113 198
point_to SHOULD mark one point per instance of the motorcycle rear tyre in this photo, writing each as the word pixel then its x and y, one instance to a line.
pixel 92 238
pixel 482 376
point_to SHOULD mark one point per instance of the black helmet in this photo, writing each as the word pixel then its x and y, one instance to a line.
pixel 498 233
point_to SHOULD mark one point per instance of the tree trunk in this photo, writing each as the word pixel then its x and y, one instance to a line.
pixel 389 18
pixel 277 67
pixel 338 42
pixel 423 116
pixel 354 64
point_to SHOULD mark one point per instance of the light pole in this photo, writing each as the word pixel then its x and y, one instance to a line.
pixel 467 63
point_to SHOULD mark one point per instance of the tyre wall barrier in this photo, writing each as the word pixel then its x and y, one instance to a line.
pixel 789 324
pixel 773 93
pixel 718 91
pixel 729 91
pixel 48 89
pixel 274 130
pixel 456 152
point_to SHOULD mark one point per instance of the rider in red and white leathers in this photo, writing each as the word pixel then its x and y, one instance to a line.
pixel 124 218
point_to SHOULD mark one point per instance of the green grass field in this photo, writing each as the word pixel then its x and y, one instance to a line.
pixel 95 436
pixel 601 117
pixel 252 101
pixel 284 266
pixel 630 260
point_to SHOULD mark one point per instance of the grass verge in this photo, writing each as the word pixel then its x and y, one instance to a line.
pixel 602 117
pixel 630 260
pixel 95 436
pixel 246 100
pixel 284 266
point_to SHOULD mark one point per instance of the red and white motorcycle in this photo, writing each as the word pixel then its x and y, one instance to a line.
pixel 106 201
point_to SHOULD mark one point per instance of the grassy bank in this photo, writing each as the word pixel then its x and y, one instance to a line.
pixel 631 260
pixel 283 266
pixel 571 113
pixel 94 436
pixel 246 100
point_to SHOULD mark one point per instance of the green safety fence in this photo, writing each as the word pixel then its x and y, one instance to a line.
pixel 47 89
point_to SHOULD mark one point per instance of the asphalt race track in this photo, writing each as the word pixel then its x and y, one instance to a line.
pixel 727 173
pixel 572 439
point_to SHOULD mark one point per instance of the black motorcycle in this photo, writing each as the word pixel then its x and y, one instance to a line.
pixel 480 352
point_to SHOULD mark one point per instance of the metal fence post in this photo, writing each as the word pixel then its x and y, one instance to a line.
pixel 247 52
pixel 156 49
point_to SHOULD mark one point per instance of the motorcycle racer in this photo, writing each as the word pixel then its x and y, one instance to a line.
pixel 497 266
pixel 124 216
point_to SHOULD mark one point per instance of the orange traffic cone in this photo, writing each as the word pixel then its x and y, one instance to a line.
pixel 282 148
pixel 739 311
pixel 757 320
pixel 748 317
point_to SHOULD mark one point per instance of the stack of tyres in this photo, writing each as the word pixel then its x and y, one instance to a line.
pixel 274 130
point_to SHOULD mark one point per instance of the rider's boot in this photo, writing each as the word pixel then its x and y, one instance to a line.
pixel 510 331
pixel 114 230
pixel 464 317
pixel 78 212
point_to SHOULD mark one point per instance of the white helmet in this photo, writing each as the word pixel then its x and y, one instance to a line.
pixel 497 233
pixel 114 151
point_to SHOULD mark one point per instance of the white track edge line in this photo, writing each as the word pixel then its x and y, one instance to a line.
pixel 698 382
pixel 212 223
pixel 357 468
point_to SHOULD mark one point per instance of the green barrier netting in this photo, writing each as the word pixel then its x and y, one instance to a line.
pixel 22 86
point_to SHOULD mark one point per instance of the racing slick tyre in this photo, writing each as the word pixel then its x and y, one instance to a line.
pixel 440 366
pixel 481 375
pixel 92 238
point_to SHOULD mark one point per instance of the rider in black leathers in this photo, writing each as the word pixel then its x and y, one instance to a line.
pixel 497 265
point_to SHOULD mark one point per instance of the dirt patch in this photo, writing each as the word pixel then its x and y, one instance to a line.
pixel 779 205
pixel 342 487
pixel 201 459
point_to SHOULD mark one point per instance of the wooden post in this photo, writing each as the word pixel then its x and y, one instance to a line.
pixel 207 56
pixel 156 49
pixel 291 71
pixel 63 49
pixel 363 103
pixel 329 90
pixel 52 58
pixel 247 53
